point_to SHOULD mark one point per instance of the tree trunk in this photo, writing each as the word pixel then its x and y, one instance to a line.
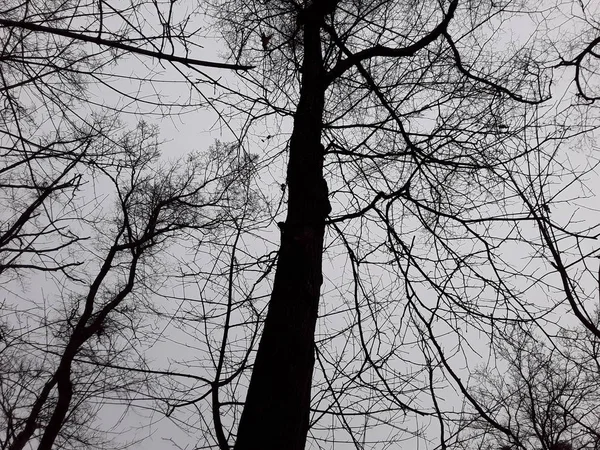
pixel 65 394
pixel 276 412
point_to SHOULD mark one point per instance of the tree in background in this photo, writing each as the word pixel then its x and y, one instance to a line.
pixel 547 396
pixel 65 355
pixel 89 212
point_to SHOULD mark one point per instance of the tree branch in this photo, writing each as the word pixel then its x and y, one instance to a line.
pixel 380 50
pixel 115 44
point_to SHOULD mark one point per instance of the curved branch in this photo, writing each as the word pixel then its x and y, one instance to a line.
pixel 380 50
pixel 589 50
pixel 461 68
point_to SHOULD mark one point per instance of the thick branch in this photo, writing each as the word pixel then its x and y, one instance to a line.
pixel 115 44
pixel 577 61
pixel 380 50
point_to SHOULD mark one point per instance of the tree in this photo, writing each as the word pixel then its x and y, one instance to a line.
pixel 418 128
pixel 89 211
pixel 547 396
pixel 52 377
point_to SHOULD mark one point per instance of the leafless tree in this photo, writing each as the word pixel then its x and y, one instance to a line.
pixel 66 353
pixel 418 184
pixel 89 209
pixel 547 396
pixel 416 129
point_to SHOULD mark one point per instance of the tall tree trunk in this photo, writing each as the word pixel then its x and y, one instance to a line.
pixel 276 412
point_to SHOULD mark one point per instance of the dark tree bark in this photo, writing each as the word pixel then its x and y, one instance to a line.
pixel 276 412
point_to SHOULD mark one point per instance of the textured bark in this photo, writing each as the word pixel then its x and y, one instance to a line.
pixel 276 413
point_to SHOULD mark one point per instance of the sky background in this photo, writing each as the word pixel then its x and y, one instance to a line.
pixel 196 130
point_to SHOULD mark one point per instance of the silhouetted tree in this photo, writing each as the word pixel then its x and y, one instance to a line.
pixel 547 396
pixel 421 125
pixel 407 154
pixel 89 209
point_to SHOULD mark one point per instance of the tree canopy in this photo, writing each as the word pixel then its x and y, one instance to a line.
pixel 397 218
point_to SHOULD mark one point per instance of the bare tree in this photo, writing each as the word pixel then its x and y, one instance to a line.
pixel 89 209
pixel 548 396
pixel 414 128
pixel 423 147
pixel 62 357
